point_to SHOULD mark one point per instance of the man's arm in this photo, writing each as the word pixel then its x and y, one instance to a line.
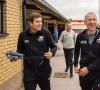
pixel 76 55
pixel 50 42
pixel 20 45
pixel 76 51
pixel 20 49
pixel 83 71
pixel 94 66
pixel 60 39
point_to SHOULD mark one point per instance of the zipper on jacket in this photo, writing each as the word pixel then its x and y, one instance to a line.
pixel 36 69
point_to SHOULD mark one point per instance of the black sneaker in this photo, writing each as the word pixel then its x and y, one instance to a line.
pixel 71 75
pixel 66 69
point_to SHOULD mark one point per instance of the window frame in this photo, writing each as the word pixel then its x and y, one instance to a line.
pixel 2 34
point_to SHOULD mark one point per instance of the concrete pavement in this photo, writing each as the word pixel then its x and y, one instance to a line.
pixel 58 65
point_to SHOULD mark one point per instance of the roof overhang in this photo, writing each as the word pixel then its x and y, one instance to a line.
pixel 46 9
pixel 2 0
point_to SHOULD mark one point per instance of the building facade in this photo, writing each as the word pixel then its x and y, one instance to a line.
pixel 78 25
pixel 13 20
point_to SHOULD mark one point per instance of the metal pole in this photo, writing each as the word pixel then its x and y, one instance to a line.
pixel 24 13
pixel 99 10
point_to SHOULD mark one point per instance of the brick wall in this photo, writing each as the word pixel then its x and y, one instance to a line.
pixel 12 24
pixel 13 83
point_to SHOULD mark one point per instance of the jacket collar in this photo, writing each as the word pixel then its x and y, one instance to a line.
pixel 29 32
pixel 85 35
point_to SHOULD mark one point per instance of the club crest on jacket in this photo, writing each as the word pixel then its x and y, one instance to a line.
pixel 40 38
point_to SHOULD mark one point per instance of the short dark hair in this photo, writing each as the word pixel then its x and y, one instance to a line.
pixel 32 16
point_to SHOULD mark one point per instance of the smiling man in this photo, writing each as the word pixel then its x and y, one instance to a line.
pixel 68 38
pixel 88 46
pixel 34 43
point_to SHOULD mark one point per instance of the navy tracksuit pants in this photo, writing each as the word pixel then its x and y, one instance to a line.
pixel 41 76
pixel 69 58
pixel 90 82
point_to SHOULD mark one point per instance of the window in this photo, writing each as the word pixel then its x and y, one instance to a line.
pixel 2 33
pixel 45 25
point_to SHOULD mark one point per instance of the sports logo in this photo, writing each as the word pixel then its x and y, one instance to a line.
pixel 40 39
pixel 26 41
pixel 83 42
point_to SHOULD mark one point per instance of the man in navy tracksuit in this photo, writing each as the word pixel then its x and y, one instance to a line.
pixel 88 46
pixel 34 43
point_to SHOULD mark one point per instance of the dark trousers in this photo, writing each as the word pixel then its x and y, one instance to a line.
pixel 69 58
pixel 90 81
pixel 40 76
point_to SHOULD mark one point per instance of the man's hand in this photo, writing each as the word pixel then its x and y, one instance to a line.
pixel 48 55
pixel 76 70
pixel 14 59
pixel 83 71
pixel 59 47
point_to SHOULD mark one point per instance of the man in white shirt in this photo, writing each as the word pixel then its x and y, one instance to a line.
pixel 68 38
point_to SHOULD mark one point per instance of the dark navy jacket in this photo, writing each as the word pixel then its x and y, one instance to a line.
pixel 33 46
pixel 90 54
